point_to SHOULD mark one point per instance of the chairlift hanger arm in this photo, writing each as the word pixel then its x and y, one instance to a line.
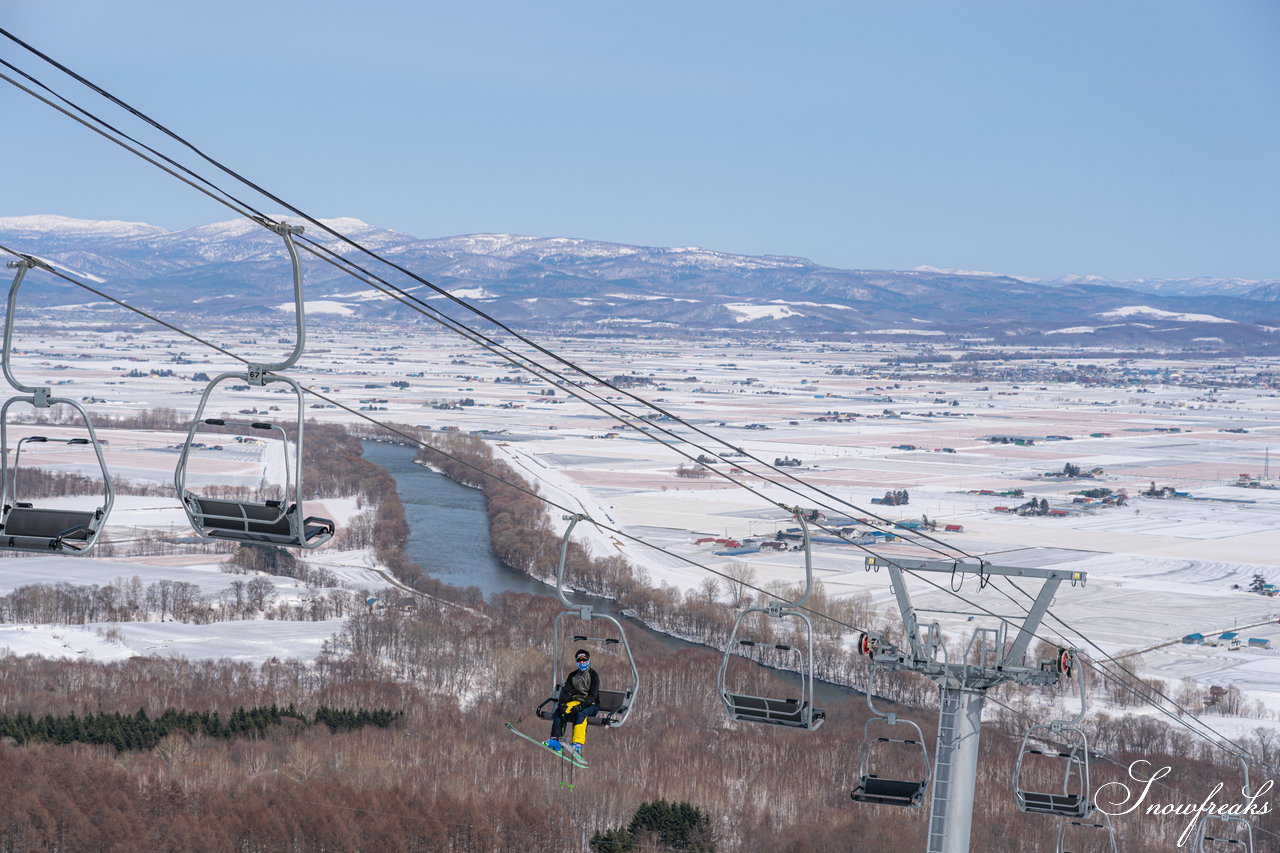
pixel 257 373
pixel 564 553
pixel 24 263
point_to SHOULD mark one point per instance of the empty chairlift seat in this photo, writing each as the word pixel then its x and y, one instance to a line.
pixel 29 528
pixel 889 792
pixel 779 712
pixel 268 523
pixel 795 713
pixel 1062 805
pixel 901 755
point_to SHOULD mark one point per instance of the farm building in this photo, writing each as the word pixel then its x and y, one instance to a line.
pixel 1193 640
pixel 1259 643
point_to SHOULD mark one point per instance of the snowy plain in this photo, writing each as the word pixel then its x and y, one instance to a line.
pixel 858 426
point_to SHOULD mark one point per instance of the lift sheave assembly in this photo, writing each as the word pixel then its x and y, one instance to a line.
pixel 268 521
pixel 23 525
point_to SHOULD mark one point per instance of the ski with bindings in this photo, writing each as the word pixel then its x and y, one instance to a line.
pixel 567 754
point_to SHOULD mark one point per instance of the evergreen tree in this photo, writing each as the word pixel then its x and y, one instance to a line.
pixel 677 826
pixel 613 841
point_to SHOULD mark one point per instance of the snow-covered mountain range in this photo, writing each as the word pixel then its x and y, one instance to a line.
pixel 238 267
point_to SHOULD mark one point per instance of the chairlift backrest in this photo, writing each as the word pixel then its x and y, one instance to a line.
pixel 23 525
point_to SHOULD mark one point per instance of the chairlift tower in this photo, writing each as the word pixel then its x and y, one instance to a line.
pixel 990 658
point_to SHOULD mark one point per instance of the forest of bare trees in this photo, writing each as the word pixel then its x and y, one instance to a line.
pixel 447 777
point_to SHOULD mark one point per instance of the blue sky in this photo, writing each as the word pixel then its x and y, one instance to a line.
pixel 1123 139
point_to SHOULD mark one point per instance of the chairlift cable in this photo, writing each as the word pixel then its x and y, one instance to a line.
pixel 413 303
pixel 259 217
pixel 531 493
pixel 1224 741
pixel 418 441
pixel 443 293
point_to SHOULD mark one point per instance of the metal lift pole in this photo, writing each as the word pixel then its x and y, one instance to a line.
pixel 989 660
pixel 955 769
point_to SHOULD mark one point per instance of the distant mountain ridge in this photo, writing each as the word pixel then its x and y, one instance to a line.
pixel 564 283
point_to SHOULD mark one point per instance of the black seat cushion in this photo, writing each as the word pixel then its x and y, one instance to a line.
pixel 48 523
pixel 888 792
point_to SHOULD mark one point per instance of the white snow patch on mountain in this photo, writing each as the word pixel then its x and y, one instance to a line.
pixel 648 298
pixel 366 295
pixel 927 268
pixel 903 332
pixel 1073 330
pixel 745 312
pixel 811 304
pixel 1130 310
pixel 318 306
pixel 473 293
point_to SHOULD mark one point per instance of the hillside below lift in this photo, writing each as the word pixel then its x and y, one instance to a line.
pixel 614 705
pixel 793 712
pixel 24 526
pixel 266 522
pixel 990 659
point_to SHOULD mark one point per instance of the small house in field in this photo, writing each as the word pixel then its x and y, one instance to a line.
pixel 1259 643
pixel 1230 639
pixel 1193 640
pixel 954 528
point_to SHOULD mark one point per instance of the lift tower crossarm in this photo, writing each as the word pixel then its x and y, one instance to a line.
pixel 1013 657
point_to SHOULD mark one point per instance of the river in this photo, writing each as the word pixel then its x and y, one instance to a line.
pixel 435 506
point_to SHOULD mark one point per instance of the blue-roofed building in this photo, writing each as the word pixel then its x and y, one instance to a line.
pixel 1193 640
pixel 1259 643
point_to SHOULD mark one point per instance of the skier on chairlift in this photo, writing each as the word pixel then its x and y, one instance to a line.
pixel 578 700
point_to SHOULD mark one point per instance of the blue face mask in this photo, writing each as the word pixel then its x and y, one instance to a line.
pixel 584 665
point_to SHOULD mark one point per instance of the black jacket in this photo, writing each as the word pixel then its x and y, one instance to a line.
pixel 575 688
